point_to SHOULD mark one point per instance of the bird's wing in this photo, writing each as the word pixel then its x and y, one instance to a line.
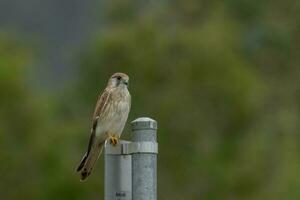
pixel 100 107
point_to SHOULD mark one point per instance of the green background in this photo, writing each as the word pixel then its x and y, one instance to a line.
pixel 222 79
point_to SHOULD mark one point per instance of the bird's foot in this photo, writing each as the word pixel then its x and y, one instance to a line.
pixel 114 140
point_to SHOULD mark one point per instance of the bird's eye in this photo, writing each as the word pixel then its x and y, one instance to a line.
pixel 119 77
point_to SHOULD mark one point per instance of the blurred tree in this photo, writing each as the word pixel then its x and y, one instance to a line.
pixel 18 119
pixel 216 76
pixel 221 79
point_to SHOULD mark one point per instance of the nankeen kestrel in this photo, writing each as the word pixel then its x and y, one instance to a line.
pixel 108 121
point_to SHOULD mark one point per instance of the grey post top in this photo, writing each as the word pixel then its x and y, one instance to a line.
pixel 144 130
pixel 116 149
pixel 125 148
pixel 144 123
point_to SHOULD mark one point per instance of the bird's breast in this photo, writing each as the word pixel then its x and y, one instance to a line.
pixel 115 115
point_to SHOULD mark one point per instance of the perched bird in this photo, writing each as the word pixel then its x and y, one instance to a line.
pixel 108 121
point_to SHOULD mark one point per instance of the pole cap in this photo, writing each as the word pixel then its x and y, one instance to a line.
pixel 144 123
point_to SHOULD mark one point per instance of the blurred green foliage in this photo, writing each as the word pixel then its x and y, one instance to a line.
pixel 221 78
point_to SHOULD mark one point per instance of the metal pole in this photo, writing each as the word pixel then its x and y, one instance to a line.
pixel 118 177
pixel 130 167
pixel 144 159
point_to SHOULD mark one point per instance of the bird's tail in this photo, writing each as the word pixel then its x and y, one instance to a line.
pixel 88 161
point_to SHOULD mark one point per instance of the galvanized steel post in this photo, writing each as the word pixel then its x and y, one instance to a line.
pixel 144 160
pixel 131 167
pixel 117 169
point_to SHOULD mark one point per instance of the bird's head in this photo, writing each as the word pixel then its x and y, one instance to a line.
pixel 119 80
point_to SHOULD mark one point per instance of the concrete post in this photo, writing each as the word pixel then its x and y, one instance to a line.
pixel 144 160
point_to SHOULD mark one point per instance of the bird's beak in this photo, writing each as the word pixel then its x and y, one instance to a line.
pixel 126 83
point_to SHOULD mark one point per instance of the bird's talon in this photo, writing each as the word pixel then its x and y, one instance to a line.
pixel 114 140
